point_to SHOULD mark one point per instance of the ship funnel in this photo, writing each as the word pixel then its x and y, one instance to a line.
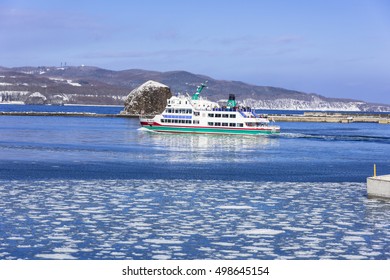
pixel 232 101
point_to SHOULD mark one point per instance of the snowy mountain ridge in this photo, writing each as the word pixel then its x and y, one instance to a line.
pixel 95 86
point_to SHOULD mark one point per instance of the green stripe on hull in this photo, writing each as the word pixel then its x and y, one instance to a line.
pixel 209 130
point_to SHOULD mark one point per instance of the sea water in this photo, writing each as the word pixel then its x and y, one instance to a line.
pixel 102 188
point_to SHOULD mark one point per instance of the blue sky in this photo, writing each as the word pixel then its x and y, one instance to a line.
pixel 333 48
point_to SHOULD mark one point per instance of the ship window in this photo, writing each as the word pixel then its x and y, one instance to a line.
pixel 217 124
pixel 232 116
pixel 210 123
pixel 190 111
pixel 196 113
pixel 240 125
pixel 162 120
pixel 196 122
pixel 225 116
pixel 224 124
pixel 211 115
pixel 217 115
pixel 232 124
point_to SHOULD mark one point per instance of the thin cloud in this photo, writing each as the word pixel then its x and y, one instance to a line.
pixel 288 39
pixel 261 46
pixel 260 40
pixel 148 54
pixel 168 35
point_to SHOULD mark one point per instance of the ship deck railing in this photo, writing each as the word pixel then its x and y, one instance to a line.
pixel 241 110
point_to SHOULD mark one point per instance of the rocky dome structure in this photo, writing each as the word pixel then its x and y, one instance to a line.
pixel 36 99
pixel 149 98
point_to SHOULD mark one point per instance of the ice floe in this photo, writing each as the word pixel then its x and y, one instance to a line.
pixel 190 219
pixel 235 207
pixel 55 256
pixel 261 231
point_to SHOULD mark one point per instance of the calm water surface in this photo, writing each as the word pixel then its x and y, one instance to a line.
pixel 101 188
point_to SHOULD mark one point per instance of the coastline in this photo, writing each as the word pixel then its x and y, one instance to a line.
pixel 329 117
pixel 66 104
pixel 305 117
pixel 66 114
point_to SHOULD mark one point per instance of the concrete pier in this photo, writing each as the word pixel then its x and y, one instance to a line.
pixel 333 117
pixel 379 186
pixel 66 114
pixel 306 117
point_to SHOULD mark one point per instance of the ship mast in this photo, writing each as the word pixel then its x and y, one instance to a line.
pixel 198 91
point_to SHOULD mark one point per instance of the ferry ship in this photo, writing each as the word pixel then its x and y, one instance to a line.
pixel 186 114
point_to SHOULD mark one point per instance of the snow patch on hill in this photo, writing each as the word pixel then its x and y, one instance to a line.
pixel 294 104
pixel 150 84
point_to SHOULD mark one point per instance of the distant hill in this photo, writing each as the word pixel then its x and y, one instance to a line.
pixel 94 86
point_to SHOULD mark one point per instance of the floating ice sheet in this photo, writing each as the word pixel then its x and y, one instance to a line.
pixel 191 219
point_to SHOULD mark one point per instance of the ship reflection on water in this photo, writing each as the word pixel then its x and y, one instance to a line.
pixel 207 147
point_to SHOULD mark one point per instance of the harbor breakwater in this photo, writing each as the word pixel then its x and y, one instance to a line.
pixel 331 117
pixel 66 114
pixel 328 117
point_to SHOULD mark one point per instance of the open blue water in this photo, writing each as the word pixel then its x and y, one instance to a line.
pixel 102 188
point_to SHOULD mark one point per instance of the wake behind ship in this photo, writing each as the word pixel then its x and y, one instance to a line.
pixel 185 114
